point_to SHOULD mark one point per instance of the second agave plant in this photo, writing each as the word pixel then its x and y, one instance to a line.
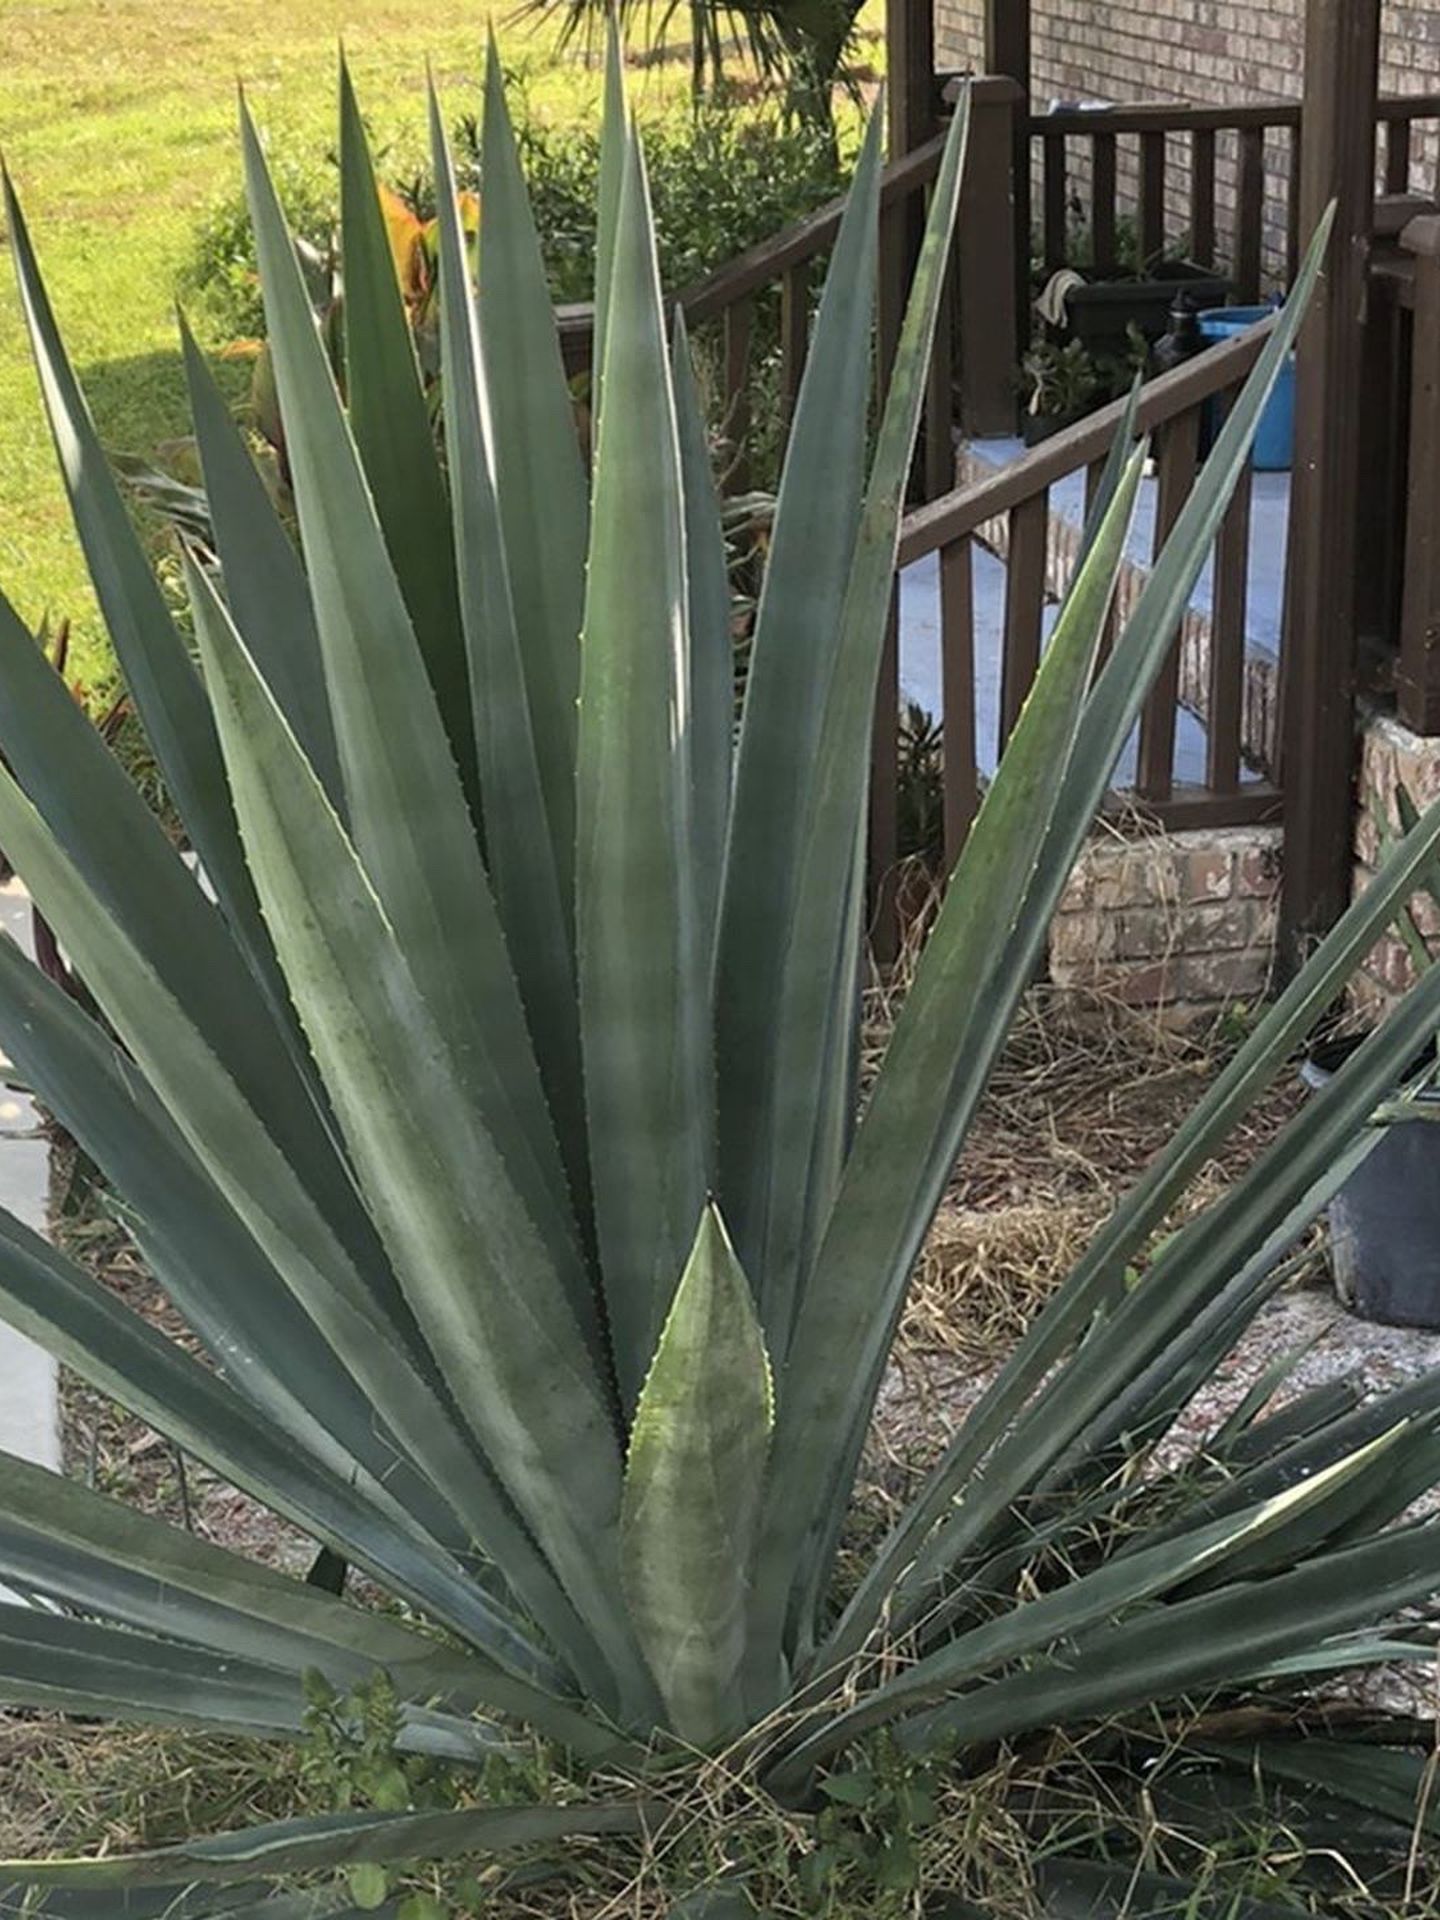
pixel 490 1112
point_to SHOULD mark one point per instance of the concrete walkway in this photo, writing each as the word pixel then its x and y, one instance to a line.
pixel 29 1400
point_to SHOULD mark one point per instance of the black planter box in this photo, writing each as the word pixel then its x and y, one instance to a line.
pixel 1040 426
pixel 1101 315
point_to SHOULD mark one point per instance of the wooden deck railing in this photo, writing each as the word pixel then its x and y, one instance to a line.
pixel 1174 410
pixel 726 308
pixel 755 311
pixel 1083 156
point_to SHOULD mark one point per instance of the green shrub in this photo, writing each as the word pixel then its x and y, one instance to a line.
pixel 218 282
pixel 721 178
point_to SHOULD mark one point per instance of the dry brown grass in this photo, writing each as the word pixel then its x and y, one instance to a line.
pixel 1087 1090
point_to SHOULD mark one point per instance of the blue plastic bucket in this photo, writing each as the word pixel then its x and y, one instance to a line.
pixel 1275 436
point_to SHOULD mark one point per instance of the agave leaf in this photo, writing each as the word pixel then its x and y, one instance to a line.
pixel 60 1539
pixel 209 1264
pixel 391 424
pixel 1111 474
pixel 150 649
pixel 1363 1508
pixel 407 810
pixel 614 145
pixel 1080 1889
pixel 1214 1640
pixel 522 865
pixel 1383 1780
pixel 477 1273
pixel 841 1314
pixel 245 1163
pixel 337 1840
pixel 1255 1221
pixel 1347 1652
pixel 1311 1410
pixel 58 1664
pixel 643 976
pixel 1028 1629
pixel 129 864
pixel 540 478
pixel 1233 1092
pixel 1106 725
pixel 238 1902
pixel 721 1901
pixel 693 1484
pixel 265 585
pixel 712 651
pixel 1419 1403
pixel 64 1310
pixel 766 1144
pixel 822 919
pixel 1243 1426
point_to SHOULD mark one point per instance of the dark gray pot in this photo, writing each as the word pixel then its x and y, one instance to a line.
pixel 1385 1220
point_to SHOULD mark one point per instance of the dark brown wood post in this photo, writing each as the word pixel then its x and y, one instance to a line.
pixel 1342 47
pixel 1007 52
pixel 910 74
pixel 911 105
pixel 988 326
pixel 1417 676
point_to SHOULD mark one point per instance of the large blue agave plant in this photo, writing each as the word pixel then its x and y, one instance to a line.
pixel 492 1118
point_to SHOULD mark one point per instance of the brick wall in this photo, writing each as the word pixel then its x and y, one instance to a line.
pixel 1206 52
pixel 1177 921
pixel 1390 757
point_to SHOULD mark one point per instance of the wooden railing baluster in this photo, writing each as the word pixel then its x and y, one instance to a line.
pixel 1024 605
pixel 1172 406
pixel 1102 191
pixel 736 327
pixel 1202 196
pixel 1225 688
pixel 1250 213
pixel 1397 156
pixel 957 689
pixel 894 269
pixel 1094 474
pixel 1056 236
pixel 938 462
pixel 1176 463
pixel 794 332
pixel 1152 196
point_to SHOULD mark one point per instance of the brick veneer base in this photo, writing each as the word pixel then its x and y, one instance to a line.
pixel 1390 756
pixel 1183 921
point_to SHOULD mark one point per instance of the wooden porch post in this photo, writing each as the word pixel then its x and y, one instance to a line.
pixel 1417 677
pixel 910 105
pixel 910 74
pixel 1342 46
pixel 988 327
pixel 1007 52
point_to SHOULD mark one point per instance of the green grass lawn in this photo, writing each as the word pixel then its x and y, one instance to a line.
pixel 117 121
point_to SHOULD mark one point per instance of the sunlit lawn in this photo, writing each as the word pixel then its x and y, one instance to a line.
pixel 117 121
